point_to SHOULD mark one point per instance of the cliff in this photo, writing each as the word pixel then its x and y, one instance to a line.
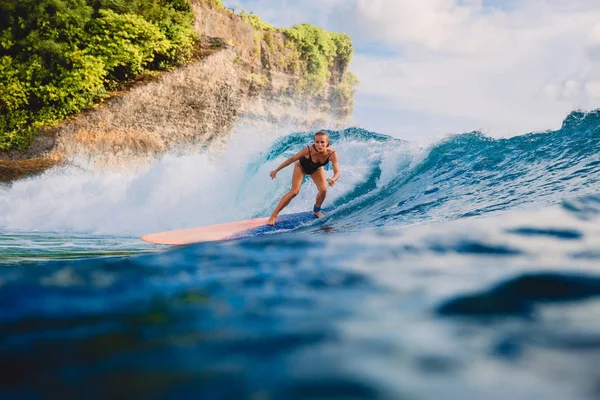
pixel 244 68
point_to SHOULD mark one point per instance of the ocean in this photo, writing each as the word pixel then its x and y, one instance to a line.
pixel 462 269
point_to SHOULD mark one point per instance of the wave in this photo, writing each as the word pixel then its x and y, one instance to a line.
pixel 470 175
pixel 385 182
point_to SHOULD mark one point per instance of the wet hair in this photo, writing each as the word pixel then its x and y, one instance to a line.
pixel 323 133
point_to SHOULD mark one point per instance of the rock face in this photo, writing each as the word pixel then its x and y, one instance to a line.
pixel 13 170
pixel 188 107
pixel 241 72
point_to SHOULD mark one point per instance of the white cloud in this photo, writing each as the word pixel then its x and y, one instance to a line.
pixel 592 89
pixel 513 71
pixel 438 25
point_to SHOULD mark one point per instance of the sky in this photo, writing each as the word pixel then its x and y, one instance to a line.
pixel 429 68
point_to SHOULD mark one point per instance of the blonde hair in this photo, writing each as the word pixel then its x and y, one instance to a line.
pixel 322 133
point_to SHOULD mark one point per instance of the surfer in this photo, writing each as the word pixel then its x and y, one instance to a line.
pixel 309 161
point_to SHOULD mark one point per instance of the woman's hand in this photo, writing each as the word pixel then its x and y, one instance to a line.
pixel 331 182
pixel 273 174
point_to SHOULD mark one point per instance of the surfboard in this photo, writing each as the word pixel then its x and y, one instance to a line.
pixel 229 230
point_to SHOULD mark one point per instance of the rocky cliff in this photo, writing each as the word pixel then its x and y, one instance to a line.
pixel 244 69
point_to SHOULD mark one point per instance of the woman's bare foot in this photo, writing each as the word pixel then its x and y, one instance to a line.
pixel 319 214
pixel 271 221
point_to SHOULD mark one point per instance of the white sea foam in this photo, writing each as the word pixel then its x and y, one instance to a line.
pixel 184 191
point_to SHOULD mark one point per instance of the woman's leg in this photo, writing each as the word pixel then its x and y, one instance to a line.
pixel 319 179
pixel 297 177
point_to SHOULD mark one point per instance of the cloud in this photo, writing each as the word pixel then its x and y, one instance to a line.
pixel 506 67
pixel 512 71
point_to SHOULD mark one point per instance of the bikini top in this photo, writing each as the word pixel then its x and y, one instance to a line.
pixel 309 166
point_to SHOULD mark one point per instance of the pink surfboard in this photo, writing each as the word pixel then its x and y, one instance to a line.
pixel 229 230
pixel 204 233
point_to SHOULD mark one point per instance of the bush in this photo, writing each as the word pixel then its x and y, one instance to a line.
pixel 319 49
pixel 58 57
pixel 126 43
pixel 256 22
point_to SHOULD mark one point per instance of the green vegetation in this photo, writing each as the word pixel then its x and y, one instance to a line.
pixel 216 4
pixel 58 57
pixel 257 79
pixel 269 40
pixel 320 50
pixel 256 22
pixel 313 51
pixel 257 36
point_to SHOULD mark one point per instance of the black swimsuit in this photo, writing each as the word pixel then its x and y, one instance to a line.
pixel 309 166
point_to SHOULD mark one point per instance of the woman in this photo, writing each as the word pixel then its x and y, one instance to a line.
pixel 310 160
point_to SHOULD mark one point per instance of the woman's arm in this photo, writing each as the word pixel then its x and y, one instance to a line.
pixel 294 158
pixel 336 169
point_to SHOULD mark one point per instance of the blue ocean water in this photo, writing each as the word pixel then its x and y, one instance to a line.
pixel 466 269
